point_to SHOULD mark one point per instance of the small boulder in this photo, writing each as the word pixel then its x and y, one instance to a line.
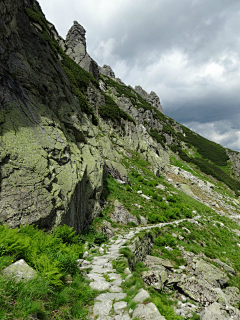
pixel 147 312
pixel 151 261
pixel 122 215
pixel 141 296
pixel 143 220
pixel 155 278
pixel 20 270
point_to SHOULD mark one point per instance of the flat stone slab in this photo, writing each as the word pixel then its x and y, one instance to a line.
pixel 95 277
pixel 119 307
pixel 141 296
pixel 115 289
pixel 20 270
pixel 100 261
pixel 122 317
pixel 151 260
pixel 102 308
pixel 100 285
pixel 147 312
pixel 111 296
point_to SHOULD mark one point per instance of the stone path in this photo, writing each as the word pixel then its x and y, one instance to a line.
pixel 110 305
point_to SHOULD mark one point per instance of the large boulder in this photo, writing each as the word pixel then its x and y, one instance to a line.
pixel 152 261
pixel 211 274
pixel 122 215
pixel 155 277
pixel 199 290
pixel 20 270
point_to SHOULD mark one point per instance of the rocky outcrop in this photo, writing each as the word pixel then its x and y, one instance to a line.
pixel 122 215
pixel 77 49
pixel 151 98
pixel 107 71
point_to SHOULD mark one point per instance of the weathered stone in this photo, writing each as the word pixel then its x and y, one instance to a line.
pixel 141 296
pixel 77 49
pixel 211 274
pixel 119 307
pixel 117 170
pixel 155 278
pixel 152 98
pixel 147 312
pixel 102 308
pixel 20 270
pixel 233 296
pixel 186 189
pixel 151 261
pixel 143 220
pixel 100 285
pixel 225 266
pixel 111 296
pixel 107 71
pixel 122 215
pixel 214 312
pixel 199 290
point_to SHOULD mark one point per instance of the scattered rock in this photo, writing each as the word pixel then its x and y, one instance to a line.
pixel 20 270
pixel 122 215
pixel 141 296
pixel 146 197
pixel 119 307
pixel 151 261
pixel 143 220
pixel 147 312
pixel 161 187
pixel 225 266
pixel 155 278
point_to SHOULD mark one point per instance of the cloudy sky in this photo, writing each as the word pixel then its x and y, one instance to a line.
pixel 187 51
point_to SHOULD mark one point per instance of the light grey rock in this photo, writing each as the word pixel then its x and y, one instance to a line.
pixel 115 288
pixel 117 170
pixel 214 312
pixel 155 278
pixel 111 296
pixel 77 49
pixel 20 270
pixel 120 307
pixel 107 71
pixel 147 312
pixel 143 220
pixel 151 98
pixel 152 261
pixel 122 215
pixel 127 271
pixel 161 187
pixel 102 308
pixel 211 274
pixel 141 296
pixel 233 296
pixel 199 290
pixel 122 317
pixel 145 197
pixel 225 266
pixel 100 285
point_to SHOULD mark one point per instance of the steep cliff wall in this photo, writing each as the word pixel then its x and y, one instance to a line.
pixel 52 156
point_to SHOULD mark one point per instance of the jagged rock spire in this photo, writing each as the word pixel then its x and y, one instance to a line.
pixel 151 98
pixel 77 49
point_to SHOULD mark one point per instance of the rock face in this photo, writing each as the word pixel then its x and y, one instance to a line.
pixel 107 71
pixel 50 156
pixel 122 215
pixel 151 97
pixel 77 49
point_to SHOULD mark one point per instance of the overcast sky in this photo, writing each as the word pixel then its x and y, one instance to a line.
pixel 187 51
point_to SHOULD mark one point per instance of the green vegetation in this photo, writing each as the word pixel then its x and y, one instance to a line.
pixel 59 291
pixel 77 76
pixel 208 149
pixel 112 111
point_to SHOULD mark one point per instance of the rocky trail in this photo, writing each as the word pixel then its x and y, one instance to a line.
pixel 111 304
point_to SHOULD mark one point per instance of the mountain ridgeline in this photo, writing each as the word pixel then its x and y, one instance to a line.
pixel 102 192
pixel 66 122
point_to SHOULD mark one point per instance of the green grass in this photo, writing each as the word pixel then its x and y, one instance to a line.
pixel 53 256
